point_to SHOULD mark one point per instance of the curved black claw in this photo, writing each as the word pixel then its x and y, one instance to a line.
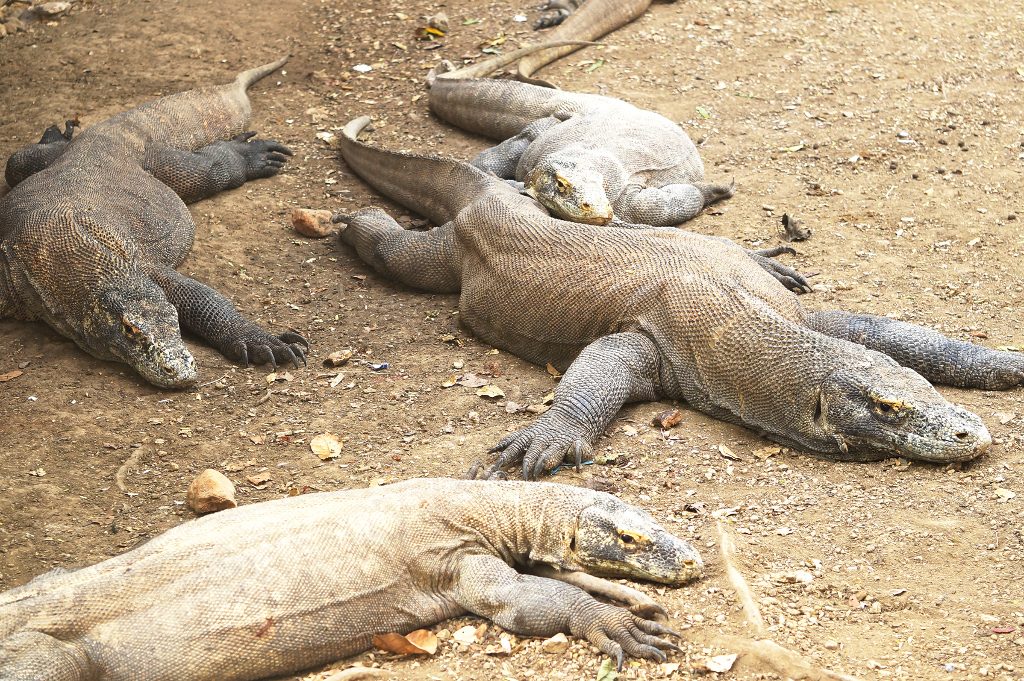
pixel 787 276
pixel 540 448
pixel 263 158
pixel 259 347
pixel 618 633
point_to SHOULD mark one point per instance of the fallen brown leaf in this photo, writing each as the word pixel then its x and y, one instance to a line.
pixel 419 642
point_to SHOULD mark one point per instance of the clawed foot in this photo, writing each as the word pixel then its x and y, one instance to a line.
pixel 540 447
pixel 263 158
pixel 256 346
pixel 557 12
pixel 617 633
pixel 787 276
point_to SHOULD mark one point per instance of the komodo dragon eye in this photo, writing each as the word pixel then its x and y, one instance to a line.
pixel 629 538
pixel 562 185
pixel 129 329
pixel 891 409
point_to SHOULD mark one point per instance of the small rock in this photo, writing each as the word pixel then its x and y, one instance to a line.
pixel 831 645
pixel 875 608
pixel 211 491
pixel 557 644
pixel 312 223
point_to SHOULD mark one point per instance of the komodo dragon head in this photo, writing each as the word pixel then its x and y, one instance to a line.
pixel 138 326
pixel 570 191
pixel 615 539
pixel 876 409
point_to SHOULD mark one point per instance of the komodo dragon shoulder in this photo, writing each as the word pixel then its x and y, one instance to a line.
pixel 281 586
pixel 632 315
pixel 94 226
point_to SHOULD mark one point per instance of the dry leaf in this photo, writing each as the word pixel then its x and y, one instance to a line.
pixel 10 375
pixel 490 391
pixel 552 370
pixel 466 635
pixel 1004 494
pixel 326 446
pixel 721 663
pixel 471 381
pixel 336 359
pixel 283 376
pixel 258 479
pixel 728 453
pixel 449 382
pixel 607 671
pixel 419 642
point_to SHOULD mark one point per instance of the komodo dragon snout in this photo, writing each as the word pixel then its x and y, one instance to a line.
pixel 140 328
pixel 879 410
pixel 611 534
pixel 570 191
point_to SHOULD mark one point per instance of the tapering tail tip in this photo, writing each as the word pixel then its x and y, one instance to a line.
pixel 355 126
pixel 247 78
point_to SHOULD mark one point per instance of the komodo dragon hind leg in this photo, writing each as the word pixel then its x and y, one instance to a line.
pixel 537 606
pixel 610 372
pixel 503 158
pixel 34 656
pixel 671 204
pixel 35 157
pixel 216 167
pixel 787 276
pixel 939 359
pixel 425 260
pixel 213 318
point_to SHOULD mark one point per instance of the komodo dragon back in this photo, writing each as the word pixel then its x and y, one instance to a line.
pixel 280 586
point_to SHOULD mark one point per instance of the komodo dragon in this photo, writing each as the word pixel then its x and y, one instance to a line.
pixel 93 228
pixel 284 585
pixel 586 158
pixel 634 315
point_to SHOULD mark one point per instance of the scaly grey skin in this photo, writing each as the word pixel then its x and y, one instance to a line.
pixel 646 314
pixel 94 227
pixel 281 586
pixel 586 158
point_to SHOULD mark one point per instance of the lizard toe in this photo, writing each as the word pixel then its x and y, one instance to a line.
pixel 649 611
pixel 649 626
pixel 244 137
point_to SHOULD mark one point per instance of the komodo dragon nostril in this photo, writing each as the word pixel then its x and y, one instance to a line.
pixel 963 435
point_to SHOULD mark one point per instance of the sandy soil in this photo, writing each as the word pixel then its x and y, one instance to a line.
pixel 896 133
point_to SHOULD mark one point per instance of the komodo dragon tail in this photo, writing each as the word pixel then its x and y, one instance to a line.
pixel 489 66
pixel 192 119
pixel 434 187
pixel 591 21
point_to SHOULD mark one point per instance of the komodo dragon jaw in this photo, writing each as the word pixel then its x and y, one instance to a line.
pixel 614 539
pixel 570 192
pixel 879 410
pixel 142 331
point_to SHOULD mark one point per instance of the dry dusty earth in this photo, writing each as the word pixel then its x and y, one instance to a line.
pixel 896 132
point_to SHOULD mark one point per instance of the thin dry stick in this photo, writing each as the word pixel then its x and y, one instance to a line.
pixel 765 652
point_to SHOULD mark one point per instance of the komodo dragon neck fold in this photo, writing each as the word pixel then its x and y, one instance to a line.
pixel 94 226
pixel 644 314
pixel 281 586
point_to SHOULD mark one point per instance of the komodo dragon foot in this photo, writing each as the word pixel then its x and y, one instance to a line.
pixel 617 632
pixel 557 12
pixel 263 158
pixel 787 276
pixel 541 447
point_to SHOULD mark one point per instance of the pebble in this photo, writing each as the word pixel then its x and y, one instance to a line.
pixel 312 223
pixel 557 644
pixel 211 491
pixel 831 645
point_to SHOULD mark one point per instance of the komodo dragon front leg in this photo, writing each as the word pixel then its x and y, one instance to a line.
pixel 35 656
pixel 425 260
pixel 538 606
pixel 670 204
pixel 611 371
pixel 939 359
pixel 213 318
pixel 216 167
pixel 502 159
pixel 35 157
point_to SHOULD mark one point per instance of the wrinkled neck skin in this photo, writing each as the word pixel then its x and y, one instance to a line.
pixel 535 524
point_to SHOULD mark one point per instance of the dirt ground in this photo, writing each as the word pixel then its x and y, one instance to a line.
pixel 895 130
